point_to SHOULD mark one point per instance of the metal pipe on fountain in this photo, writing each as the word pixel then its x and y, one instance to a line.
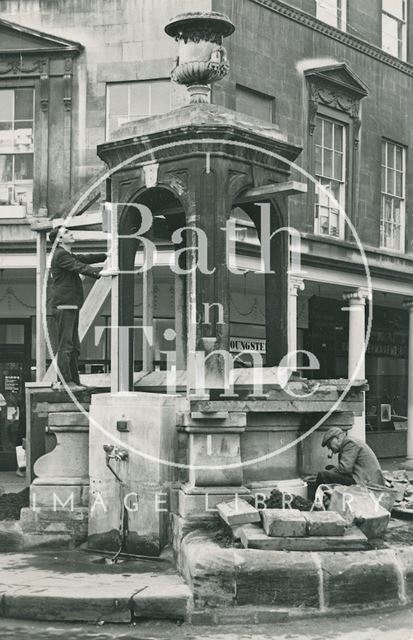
pixel 118 455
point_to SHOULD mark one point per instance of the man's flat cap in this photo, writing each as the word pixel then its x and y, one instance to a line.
pixel 331 433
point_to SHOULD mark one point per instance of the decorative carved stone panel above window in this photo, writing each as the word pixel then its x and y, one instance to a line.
pixel 337 87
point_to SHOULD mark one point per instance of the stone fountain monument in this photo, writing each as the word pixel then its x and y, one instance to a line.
pixel 167 446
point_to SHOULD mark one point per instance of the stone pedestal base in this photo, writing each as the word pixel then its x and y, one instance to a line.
pixel 60 492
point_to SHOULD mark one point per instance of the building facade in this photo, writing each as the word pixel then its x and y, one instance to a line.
pixel 334 75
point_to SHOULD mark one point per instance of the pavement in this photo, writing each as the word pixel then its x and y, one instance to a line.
pixel 79 586
pixel 11 483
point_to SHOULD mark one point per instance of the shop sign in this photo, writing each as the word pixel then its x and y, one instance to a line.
pixel 12 383
pixel 247 344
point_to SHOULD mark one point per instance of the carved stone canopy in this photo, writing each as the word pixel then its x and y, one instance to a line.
pixel 335 86
pixel 27 52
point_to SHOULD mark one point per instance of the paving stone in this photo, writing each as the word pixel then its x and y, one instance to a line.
pixel 168 599
pixel 284 523
pixel 325 523
pixel 11 536
pixel 237 512
pixel 253 537
pixel 276 578
pixel 360 578
pixel 358 507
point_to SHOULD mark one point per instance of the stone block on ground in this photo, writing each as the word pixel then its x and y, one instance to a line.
pixel 253 537
pixel 284 523
pixel 237 512
pixel 325 523
pixel 360 507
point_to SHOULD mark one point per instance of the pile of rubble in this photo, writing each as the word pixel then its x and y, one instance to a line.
pixel 354 518
pixel 399 481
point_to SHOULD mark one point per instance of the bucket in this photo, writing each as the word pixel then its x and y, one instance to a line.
pixel 385 495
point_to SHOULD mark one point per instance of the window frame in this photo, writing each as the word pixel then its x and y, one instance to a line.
pixel 386 194
pixel 402 28
pixel 147 81
pixel 343 182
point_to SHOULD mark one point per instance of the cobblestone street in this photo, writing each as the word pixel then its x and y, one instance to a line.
pixel 392 626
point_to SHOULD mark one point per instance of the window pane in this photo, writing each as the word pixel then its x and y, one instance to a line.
pixel 118 100
pixel 7 140
pixel 6 104
pixel 23 195
pixel 23 136
pixel 395 8
pixel 323 218
pixel 397 212
pixel 328 134
pixel 23 167
pixel 161 97
pixel 318 131
pixel 383 152
pixel 327 11
pixel 390 35
pixel 390 154
pixel 318 165
pixel 399 184
pixel 338 166
pixel 399 158
pixel 390 181
pixel 24 104
pixel 139 99
pixel 328 163
pixel 338 137
pixel 6 168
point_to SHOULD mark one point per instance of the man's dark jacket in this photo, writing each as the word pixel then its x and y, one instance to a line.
pixel 66 268
pixel 355 458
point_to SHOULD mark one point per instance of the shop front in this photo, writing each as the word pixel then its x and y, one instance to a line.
pixel 15 361
pixel 386 367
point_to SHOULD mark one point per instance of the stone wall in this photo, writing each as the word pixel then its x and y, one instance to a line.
pixel 269 53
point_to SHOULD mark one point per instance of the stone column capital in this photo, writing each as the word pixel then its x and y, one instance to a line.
pixel 357 297
pixel 296 284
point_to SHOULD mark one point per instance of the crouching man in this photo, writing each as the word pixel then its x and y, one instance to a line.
pixel 357 463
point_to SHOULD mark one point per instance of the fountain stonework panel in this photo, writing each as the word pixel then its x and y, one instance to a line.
pixel 131 511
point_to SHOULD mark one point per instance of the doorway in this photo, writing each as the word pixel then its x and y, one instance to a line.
pixel 15 360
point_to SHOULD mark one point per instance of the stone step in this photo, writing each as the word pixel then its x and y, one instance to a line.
pixel 68 419
pixel 253 537
pixel 69 587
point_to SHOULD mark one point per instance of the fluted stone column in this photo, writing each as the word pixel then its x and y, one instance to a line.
pixel 296 284
pixel 409 455
pixel 356 348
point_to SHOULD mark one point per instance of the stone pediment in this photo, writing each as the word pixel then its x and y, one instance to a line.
pixel 338 76
pixel 18 39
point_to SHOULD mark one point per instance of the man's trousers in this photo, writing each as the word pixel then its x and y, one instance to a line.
pixel 68 343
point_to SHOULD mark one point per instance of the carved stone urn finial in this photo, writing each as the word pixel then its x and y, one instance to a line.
pixel 202 57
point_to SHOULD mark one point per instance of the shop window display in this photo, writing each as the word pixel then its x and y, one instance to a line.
pixel 16 150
